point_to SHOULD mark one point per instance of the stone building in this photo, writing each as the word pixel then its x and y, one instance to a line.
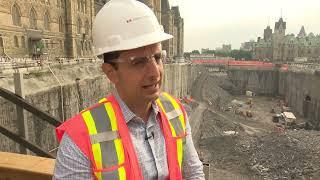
pixel 281 47
pixel 62 28
pixel 173 24
pixel 57 28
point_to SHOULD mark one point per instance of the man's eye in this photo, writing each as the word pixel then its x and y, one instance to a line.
pixel 157 57
pixel 140 61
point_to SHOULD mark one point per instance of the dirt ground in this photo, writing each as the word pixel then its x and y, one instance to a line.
pixel 240 147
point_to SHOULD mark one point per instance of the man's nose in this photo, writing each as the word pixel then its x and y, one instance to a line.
pixel 152 67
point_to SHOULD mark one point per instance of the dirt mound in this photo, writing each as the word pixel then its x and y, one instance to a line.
pixel 215 124
pixel 212 89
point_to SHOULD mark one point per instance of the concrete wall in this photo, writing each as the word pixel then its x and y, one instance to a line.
pixel 256 80
pixel 76 97
pixel 295 87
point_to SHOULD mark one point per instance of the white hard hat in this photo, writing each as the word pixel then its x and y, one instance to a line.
pixel 125 24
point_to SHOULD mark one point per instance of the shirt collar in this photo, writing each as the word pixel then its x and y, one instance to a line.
pixel 127 113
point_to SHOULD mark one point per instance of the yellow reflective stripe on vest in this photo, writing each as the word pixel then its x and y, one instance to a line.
pixel 176 106
pixel 168 105
pixel 96 150
pixel 118 142
pixel 107 153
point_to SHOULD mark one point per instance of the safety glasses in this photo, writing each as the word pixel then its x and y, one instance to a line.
pixel 140 62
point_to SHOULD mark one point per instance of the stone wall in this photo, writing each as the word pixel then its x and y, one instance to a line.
pixel 76 96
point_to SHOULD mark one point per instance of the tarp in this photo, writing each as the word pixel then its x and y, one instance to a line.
pixel 289 115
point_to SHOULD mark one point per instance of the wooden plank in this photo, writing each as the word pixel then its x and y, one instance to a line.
pixel 18 166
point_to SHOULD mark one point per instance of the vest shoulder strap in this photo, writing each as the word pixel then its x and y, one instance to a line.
pixel 174 114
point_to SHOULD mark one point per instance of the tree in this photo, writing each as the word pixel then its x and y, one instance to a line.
pixel 240 54
pixel 195 52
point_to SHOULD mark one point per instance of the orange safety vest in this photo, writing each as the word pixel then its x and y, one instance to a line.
pixel 101 133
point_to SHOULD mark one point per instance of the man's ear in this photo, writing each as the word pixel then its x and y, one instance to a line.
pixel 111 72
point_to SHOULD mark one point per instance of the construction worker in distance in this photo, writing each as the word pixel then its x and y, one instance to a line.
pixel 137 132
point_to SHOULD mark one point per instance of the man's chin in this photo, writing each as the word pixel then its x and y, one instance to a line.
pixel 154 96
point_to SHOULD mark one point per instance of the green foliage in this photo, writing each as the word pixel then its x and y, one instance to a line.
pixel 195 52
pixel 237 54
pixel 40 45
pixel 240 54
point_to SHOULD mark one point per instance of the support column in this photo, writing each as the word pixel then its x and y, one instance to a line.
pixel 22 123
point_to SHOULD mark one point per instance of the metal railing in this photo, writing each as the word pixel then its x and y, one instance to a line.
pixel 39 113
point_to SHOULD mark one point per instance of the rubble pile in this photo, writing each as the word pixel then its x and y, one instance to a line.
pixel 282 157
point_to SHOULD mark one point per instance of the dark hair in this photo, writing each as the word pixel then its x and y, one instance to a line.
pixel 107 57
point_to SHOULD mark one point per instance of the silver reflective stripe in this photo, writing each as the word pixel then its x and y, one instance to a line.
pixel 110 175
pixel 108 149
pixel 176 123
pixel 168 107
pixel 174 113
pixel 104 136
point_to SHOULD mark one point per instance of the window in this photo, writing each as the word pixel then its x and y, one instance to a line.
pixel 46 21
pixel 79 26
pixel 23 42
pixel 82 6
pixel 1 42
pixel 61 29
pixel 79 5
pixel 62 3
pixel 33 19
pixel 58 3
pixel 87 28
pixel 16 42
pixel 16 17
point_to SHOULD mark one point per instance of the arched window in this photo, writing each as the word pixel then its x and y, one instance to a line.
pixel 1 42
pixel 85 6
pixel 60 44
pixel 16 42
pixel 58 3
pixel 82 6
pixel 87 28
pixel 79 26
pixel 46 21
pixel 33 19
pixel 23 42
pixel 79 5
pixel 61 28
pixel 16 17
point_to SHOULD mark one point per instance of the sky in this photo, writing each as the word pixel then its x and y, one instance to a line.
pixel 211 23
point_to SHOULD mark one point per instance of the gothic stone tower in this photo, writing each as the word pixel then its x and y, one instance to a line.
pixel 278 40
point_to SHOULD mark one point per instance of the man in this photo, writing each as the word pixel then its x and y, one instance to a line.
pixel 137 132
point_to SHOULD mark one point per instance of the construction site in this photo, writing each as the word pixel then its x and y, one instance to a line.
pixel 252 135
pixel 248 122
